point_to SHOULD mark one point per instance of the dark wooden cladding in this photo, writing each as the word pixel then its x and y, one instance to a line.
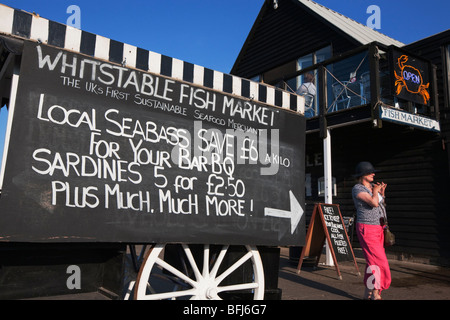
pixel 291 32
pixel 412 163
pixel 434 49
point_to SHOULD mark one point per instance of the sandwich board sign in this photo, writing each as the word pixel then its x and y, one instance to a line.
pixel 327 225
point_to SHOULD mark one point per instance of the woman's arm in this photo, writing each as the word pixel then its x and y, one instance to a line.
pixel 367 198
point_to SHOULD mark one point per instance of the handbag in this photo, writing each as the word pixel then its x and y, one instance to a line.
pixel 389 237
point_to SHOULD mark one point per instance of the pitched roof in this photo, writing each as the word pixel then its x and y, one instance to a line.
pixel 354 29
pixel 283 33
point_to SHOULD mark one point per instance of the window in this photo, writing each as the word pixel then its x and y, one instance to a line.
pixel 312 59
pixel 321 186
pixel 303 84
pixel 306 84
pixel 323 54
pixel 348 82
pixel 305 61
pixel 275 76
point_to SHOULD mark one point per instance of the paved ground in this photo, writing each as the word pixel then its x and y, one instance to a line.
pixel 410 281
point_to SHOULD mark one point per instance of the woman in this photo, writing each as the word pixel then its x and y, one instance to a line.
pixel 369 199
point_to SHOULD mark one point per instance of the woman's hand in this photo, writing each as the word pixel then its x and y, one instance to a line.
pixel 373 200
pixel 376 188
pixel 382 188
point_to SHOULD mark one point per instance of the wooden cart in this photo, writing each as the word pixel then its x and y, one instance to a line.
pixel 109 143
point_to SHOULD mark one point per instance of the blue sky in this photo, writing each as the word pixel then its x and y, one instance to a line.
pixel 211 33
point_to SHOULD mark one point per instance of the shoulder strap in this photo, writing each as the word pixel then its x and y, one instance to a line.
pixel 383 210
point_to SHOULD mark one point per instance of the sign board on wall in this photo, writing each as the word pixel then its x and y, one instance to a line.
pixel 406 118
pixel 411 78
pixel 100 152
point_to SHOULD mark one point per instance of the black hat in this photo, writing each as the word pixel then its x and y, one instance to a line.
pixel 364 168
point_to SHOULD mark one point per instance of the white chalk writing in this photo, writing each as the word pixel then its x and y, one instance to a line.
pixel 145 164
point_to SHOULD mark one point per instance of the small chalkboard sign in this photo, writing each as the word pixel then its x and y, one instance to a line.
pixel 327 223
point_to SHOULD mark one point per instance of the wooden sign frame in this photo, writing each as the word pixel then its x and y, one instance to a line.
pixel 317 234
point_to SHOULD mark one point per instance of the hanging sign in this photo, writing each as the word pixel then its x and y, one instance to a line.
pixel 406 118
pixel 99 152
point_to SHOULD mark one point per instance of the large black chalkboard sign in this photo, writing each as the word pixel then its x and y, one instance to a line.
pixel 100 152
pixel 327 224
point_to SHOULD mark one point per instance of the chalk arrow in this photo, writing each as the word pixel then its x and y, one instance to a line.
pixel 295 214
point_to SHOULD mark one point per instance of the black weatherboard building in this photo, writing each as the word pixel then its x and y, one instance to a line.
pixel 374 99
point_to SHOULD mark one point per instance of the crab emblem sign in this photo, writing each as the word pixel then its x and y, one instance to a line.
pixel 411 79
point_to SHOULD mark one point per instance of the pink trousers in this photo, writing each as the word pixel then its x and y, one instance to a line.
pixel 377 274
